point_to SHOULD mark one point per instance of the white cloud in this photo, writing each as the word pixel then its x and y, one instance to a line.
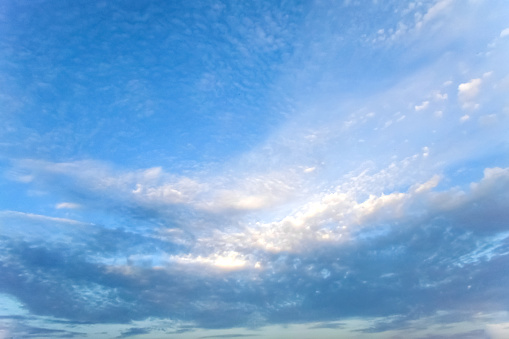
pixel 181 191
pixel 494 179
pixel 67 205
pixel 384 207
pixel 20 176
pixel 251 193
pixel 487 74
pixel 427 186
pixel 38 217
pixel 422 106
pixel 504 33
pixel 32 226
pixel 464 118
pixel 435 11
pixel 498 331
pixel 228 260
pixel 440 96
pixel 425 151
pixel 146 186
pixel 242 202
pixel 468 91
pixel 155 188
pixel 333 216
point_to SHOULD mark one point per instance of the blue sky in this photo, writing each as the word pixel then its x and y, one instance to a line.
pixel 223 169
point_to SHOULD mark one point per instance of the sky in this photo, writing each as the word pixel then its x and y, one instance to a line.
pixel 271 169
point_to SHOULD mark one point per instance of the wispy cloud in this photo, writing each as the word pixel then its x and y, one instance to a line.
pixel 67 205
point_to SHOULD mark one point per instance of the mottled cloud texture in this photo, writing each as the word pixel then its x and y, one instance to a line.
pixel 228 170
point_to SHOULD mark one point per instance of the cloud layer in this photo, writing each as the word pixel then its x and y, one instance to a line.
pixel 226 170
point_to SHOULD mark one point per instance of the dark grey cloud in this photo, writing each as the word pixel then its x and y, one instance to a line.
pixel 329 325
pixel 134 331
pixel 23 330
pixel 411 272
pixel 432 258
pixel 52 281
pixel 16 317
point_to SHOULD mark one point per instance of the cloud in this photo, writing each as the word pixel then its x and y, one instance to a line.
pixel 67 205
pixel 504 33
pixel 153 187
pixel 218 221
pixel 467 93
pixel 44 218
pixel 23 330
pixel 469 90
pixel 134 331
pixel 228 260
pixel 15 224
pixel 331 325
pixel 434 11
pixel 440 96
pixel 497 331
pixel 422 106
pixel 464 118
pixel 423 242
